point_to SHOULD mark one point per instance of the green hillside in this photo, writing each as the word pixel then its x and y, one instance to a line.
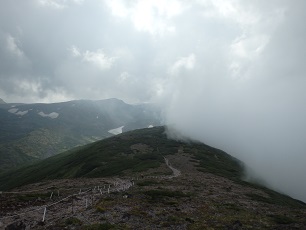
pixel 135 150
pixel 207 191
pixel 27 133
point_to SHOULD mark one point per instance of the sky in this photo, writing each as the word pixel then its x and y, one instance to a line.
pixel 228 73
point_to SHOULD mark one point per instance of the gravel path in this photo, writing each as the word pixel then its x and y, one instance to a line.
pixel 175 171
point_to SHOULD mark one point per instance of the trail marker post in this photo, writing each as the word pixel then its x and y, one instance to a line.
pixel 44 215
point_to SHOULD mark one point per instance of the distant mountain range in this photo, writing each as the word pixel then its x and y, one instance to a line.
pixel 2 102
pixel 36 131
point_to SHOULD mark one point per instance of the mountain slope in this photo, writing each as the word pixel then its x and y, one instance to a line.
pixel 123 182
pixel 136 150
pixel 36 131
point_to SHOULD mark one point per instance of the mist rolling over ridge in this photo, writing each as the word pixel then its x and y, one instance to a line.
pixel 231 74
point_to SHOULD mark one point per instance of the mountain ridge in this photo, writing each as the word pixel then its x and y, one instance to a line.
pixel 126 182
pixel 37 131
pixel 139 149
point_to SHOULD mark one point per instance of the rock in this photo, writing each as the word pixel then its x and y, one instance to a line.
pixel 41 223
pixel 235 226
pixel 19 225
pixel 126 216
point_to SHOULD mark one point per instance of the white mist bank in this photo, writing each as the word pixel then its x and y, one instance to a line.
pixel 263 126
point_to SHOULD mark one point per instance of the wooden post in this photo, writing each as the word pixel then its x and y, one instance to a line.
pixel 108 190
pixel 45 210
pixel 51 195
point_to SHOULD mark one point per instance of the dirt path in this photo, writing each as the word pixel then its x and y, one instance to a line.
pixel 175 171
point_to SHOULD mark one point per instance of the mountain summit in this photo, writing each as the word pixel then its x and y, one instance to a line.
pixel 2 102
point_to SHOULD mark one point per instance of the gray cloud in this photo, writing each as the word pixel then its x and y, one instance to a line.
pixel 230 73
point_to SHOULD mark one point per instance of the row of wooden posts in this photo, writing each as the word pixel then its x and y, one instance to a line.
pixel 99 190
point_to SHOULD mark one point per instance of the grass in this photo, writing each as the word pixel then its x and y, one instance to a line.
pixel 147 183
pixel 73 221
pixel 274 197
pixel 100 209
pixel 32 196
pixel 104 158
pixel 104 226
pixel 216 161
pixel 114 155
pixel 281 219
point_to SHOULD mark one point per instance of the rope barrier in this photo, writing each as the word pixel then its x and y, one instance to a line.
pixel 120 186
pixel 37 190
pixel 42 207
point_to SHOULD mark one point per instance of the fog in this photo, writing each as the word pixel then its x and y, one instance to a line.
pixel 228 73
pixel 253 109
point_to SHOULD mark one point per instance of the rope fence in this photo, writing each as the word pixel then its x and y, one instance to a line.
pixel 81 195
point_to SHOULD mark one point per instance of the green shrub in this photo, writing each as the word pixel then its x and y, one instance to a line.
pixel 155 194
pixel 104 226
pixel 146 183
pixel 73 221
pixel 280 219
pixel 99 208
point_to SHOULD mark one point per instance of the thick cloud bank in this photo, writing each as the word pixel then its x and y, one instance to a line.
pixel 230 73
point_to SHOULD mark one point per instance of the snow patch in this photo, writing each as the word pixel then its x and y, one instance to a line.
pixel 116 131
pixel 52 115
pixel 13 110
pixel 18 113
pixel 150 126
pixel 21 113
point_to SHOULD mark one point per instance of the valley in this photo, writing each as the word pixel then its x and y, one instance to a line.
pixel 31 132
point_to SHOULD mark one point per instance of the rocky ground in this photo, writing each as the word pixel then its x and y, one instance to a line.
pixel 173 196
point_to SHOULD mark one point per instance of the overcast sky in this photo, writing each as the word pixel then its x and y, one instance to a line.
pixel 229 73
